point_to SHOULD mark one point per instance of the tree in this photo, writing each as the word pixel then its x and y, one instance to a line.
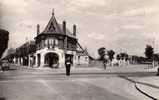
pixel 118 57
pixel 101 52
pixel 4 37
pixel 111 54
pixel 149 52
pixel 156 57
pixel 122 56
pixel 137 59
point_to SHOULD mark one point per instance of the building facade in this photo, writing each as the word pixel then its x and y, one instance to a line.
pixel 52 46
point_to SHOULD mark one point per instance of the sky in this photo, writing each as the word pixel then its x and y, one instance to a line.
pixel 121 25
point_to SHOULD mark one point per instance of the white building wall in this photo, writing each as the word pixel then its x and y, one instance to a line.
pixel 81 59
pixel 43 53
pixel 61 54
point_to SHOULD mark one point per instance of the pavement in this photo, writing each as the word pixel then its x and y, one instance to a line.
pixel 149 86
pixel 28 86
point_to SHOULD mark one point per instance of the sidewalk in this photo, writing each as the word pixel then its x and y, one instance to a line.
pixel 149 86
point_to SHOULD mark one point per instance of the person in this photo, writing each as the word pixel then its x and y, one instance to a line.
pixel 68 66
pixel 105 61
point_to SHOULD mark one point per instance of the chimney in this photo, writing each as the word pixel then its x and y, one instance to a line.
pixel 74 30
pixel 65 40
pixel 64 27
pixel 38 29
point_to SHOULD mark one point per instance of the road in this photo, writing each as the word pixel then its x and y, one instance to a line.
pixel 30 84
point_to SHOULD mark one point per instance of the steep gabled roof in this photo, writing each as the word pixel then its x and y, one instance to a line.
pixel 68 32
pixel 53 27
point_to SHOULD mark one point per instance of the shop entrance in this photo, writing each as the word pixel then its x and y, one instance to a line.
pixel 52 60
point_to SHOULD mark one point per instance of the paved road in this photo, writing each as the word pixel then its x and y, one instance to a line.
pixel 49 74
pixel 39 85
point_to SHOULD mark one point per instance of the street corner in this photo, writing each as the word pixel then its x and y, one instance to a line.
pixel 149 90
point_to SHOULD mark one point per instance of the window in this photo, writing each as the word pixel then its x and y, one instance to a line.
pixel 51 42
pixel 56 42
pixel 46 42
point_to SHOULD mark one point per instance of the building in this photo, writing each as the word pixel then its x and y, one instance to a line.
pixel 53 45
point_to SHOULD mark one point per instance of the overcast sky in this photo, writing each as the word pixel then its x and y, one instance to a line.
pixel 121 25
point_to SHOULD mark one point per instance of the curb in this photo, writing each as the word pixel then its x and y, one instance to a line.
pixel 140 90
pixel 146 94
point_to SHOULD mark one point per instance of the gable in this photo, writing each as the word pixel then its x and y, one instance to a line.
pixel 53 26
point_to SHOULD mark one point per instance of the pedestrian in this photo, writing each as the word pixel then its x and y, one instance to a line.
pixel 105 63
pixel 68 65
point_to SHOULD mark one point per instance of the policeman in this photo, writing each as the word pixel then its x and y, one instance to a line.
pixel 68 65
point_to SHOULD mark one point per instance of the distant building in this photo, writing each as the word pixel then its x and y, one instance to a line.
pixel 53 45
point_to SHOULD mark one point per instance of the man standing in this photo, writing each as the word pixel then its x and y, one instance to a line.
pixel 68 65
pixel 105 61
